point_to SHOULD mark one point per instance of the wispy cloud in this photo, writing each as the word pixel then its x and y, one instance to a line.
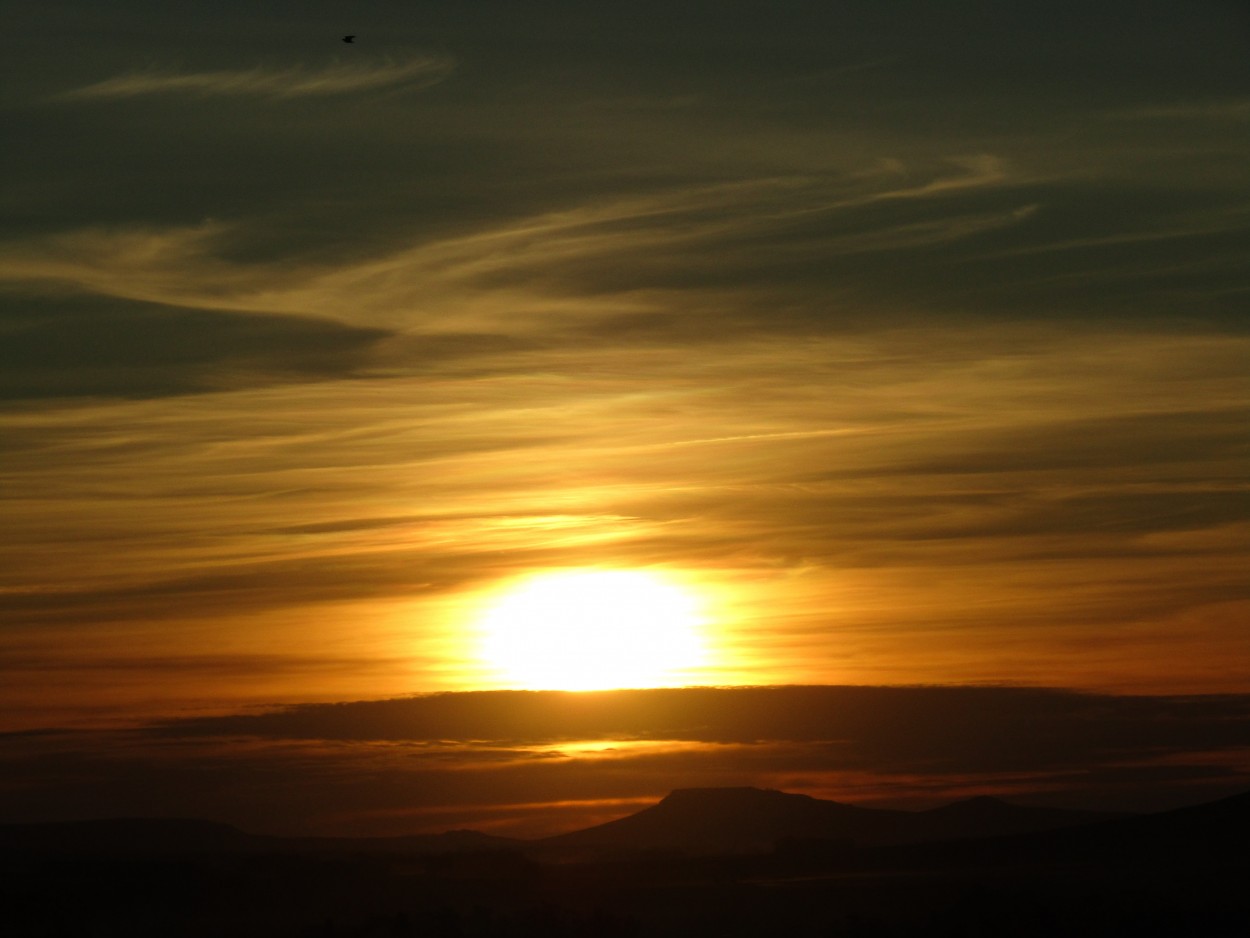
pixel 549 269
pixel 264 82
pixel 1229 109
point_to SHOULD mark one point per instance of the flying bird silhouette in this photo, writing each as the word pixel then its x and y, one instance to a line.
pixel 349 38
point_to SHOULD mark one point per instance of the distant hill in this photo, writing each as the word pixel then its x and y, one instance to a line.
pixel 1191 844
pixel 125 837
pixel 458 841
pixel 991 817
pixel 185 837
pixel 1175 873
pixel 753 820
pixel 725 820
pixel 1185 836
pixel 693 821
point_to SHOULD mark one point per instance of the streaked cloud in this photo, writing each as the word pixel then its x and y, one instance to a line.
pixel 533 763
pixel 276 83
pixel 870 716
pixel 538 272
pixel 1230 110
pixel 64 347
pixel 921 353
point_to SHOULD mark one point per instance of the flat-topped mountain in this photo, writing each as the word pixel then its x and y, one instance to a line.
pixel 751 820
pixel 725 820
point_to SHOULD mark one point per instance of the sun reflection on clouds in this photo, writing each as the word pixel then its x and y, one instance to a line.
pixel 599 750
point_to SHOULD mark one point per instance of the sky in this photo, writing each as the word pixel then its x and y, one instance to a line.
pixel 906 342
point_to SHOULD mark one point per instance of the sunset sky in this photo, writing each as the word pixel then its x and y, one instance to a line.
pixel 894 349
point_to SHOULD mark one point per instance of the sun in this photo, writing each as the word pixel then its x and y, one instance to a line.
pixel 593 630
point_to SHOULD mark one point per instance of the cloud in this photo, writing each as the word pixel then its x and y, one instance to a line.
pixel 563 760
pixel 560 269
pixel 889 499
pixel 278 84
pixel 912 725
pixel 1235 110
pixel 940 365
pixel 74 346
pixel 979 236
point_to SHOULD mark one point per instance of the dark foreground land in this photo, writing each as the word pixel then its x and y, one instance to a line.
pixel 1179 873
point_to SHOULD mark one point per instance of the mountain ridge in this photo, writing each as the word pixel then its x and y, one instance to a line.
pixel 693 820
pixel 194 836
pixel 754 820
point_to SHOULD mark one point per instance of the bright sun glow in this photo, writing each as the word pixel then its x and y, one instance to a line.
pixel 593 630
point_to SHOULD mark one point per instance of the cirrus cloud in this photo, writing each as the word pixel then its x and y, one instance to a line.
pixel 296 82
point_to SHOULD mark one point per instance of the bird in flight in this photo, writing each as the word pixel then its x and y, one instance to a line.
pixel 349 38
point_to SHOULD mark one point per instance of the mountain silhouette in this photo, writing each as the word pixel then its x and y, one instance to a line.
pixel 1186 836
pixel 723 820
pixel 754 820
pixel 142 837
pixel 984 816
pixel 125 837
pixel 697 822
pixel 728 862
